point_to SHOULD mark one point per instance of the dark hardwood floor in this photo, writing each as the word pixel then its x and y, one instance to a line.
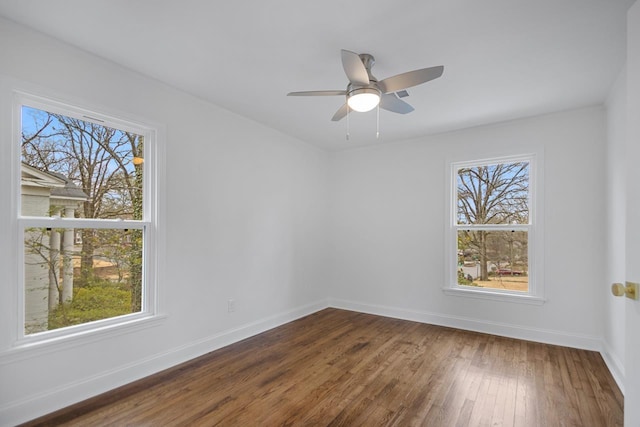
pixel 337 367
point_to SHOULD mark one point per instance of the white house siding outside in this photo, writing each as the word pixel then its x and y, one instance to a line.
pixel 45 194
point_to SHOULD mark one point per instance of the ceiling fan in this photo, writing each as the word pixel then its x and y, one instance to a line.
pixel 364 92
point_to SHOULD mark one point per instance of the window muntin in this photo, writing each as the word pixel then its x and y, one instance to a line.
pixel 492 226
pixel 86 218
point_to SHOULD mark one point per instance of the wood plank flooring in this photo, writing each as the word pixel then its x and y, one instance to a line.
pixel 341 368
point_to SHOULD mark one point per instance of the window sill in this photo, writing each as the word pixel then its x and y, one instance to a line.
pixel 39 346
pixel 495 295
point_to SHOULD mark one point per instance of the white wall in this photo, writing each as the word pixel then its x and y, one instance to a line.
pixel 388 211
pixel 244 218
pixel 615 202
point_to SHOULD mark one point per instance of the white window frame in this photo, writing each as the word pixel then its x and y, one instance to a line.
pixel 153 157
pixel 535 293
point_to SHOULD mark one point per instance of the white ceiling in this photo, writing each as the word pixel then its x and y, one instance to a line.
pixel 503 59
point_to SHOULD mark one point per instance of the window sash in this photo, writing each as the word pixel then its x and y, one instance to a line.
pixel 149 208
pixel 148 300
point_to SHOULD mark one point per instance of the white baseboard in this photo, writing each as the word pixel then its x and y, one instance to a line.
pixel 613 363
pixel 16 412
pixel 585 342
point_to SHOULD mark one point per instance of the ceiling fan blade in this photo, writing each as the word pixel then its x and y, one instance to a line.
pixel 391 102
pixel 342 111
pixel 409 79
pixel 318 93
pixel 354 68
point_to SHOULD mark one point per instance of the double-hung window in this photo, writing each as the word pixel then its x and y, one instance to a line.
pixel 492 229
pixel 87 219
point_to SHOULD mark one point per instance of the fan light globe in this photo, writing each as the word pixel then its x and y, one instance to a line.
pixel 363 100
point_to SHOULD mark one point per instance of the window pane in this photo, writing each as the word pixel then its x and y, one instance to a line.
pixel 493 259
pixel 75 276
pixel 493 194
pixel 76 168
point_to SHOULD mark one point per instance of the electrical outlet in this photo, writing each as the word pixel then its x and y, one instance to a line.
pixel 231 305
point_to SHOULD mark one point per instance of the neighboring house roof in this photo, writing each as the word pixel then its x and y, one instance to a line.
pixel 60 186
pixel 69 191
pixel 35 177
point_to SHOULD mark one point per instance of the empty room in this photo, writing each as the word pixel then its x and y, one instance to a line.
pixel 319 213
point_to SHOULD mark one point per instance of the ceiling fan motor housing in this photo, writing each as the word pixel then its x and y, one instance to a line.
pixel 372 88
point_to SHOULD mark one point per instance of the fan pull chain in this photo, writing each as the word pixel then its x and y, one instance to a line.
pixel 378 122
pixel 348 123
